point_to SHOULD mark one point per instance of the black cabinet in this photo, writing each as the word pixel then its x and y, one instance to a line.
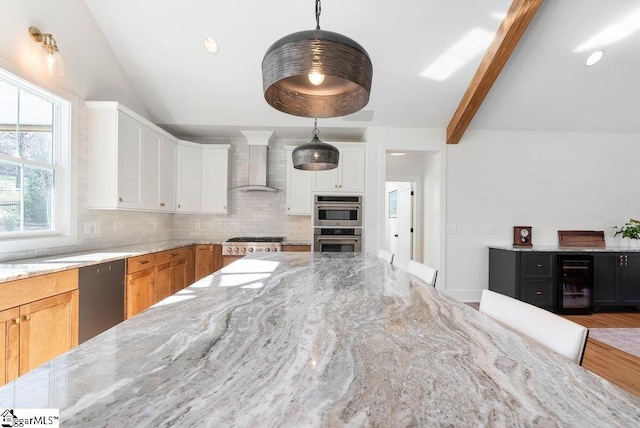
pixel 527 276
pixel 530 276
pixel 616 279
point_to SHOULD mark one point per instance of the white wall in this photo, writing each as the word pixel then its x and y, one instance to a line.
pixel 92 71
pixel 550 181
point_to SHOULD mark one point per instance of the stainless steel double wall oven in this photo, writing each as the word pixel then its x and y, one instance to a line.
pixel 337 222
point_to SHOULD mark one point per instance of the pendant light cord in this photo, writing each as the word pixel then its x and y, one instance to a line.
pixel 315 132
pixel 318 10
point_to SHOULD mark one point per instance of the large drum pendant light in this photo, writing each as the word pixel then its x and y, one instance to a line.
pixel 317 73
pixel 315 155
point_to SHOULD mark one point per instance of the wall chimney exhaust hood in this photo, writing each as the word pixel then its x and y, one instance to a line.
pixel 258 150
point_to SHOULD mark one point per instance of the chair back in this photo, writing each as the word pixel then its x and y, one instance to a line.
pixel 424 272
pixel 565 337
pixel 385 255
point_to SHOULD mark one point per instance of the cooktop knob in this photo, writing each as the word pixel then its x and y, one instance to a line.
pixel 251 249
pixel 228 249
pixel 267 249
pixel 244 250
pixel 274 249
pixel 236 249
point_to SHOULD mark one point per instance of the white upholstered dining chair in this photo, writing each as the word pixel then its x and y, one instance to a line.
pixel 385 255
pixel 424 272
pixel 550 330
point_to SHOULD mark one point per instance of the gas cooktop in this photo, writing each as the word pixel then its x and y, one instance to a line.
pixel 256 239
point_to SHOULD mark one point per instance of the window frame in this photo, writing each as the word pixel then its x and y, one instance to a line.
pixel 64 209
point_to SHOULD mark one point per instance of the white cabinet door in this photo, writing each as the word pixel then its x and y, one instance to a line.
pixel 149 169
pixel 348 176
pixel 352 169
pixel 131 162
pixel 129 157
pixel 189 192
pixel 168 177
pixel 298 189
pixel 326 181
pixel 215 175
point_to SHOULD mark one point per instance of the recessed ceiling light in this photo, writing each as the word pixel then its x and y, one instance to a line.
pixel 594 58
pixel 397 153
pixel 210 45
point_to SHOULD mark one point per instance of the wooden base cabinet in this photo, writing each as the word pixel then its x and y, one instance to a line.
pixel 48 328
pixel 154 277
pixel 297 248
pixel 208 259
pixel 38 329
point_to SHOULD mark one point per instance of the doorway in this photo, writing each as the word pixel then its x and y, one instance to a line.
pixel 399 222
pixel 423 169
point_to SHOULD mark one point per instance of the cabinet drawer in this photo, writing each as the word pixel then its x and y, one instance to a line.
pixel 539 293
pixel 22 291
pixel 136 264
pixel 171 255
pixel 535 265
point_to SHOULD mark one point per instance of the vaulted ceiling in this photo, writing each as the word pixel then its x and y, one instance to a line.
pixel 545 85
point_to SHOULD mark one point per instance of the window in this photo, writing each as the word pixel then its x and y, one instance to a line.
pixel 35 172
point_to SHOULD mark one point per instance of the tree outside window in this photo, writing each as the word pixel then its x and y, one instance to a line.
pixel 27 160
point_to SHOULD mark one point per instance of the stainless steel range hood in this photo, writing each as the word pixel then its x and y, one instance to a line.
pixel 258 160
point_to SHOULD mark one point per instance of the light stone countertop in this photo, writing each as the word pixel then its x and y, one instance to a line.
pixel 557 248
pixel 20 269
pixel 324 339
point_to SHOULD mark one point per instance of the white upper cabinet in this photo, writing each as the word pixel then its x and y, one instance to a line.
pixel 298 188
pixel 203 175
pixel 189 191
pixel 168 178
pixel 215 178
pixel 132 162
pixel 348 176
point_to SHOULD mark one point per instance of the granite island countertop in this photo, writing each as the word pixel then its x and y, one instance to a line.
pixel 324 339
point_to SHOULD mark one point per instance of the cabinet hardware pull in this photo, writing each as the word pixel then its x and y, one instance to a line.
pixel 538 265
pixel 16 320
pixel 539 293
pixel 119 199
pixel 162 204
pixel 178 205
pixel 26 317
pixel 172 255
pixel 144 262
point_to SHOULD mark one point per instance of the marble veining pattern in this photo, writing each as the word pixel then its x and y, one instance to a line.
pixel 303 339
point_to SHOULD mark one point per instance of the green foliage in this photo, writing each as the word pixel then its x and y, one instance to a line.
pixel 630 229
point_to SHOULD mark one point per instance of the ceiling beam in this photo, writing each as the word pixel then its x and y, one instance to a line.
pixel 512 28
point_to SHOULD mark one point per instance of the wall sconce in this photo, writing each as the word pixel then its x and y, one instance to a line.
pixel 317 73
pixel 47 59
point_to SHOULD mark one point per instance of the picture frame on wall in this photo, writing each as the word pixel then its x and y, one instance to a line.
pixel 393 204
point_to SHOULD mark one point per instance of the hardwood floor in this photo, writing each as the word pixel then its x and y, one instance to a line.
pixel 610 363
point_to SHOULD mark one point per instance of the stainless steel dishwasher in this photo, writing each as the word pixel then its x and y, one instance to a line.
pixel 101 304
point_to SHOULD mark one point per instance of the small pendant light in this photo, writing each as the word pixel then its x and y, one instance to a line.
pixel 315 155
pixel 317 73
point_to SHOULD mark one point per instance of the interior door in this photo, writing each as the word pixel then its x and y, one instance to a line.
pixel 404 251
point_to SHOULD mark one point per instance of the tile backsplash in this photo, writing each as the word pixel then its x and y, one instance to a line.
pixel 249 213
pixel 253 213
